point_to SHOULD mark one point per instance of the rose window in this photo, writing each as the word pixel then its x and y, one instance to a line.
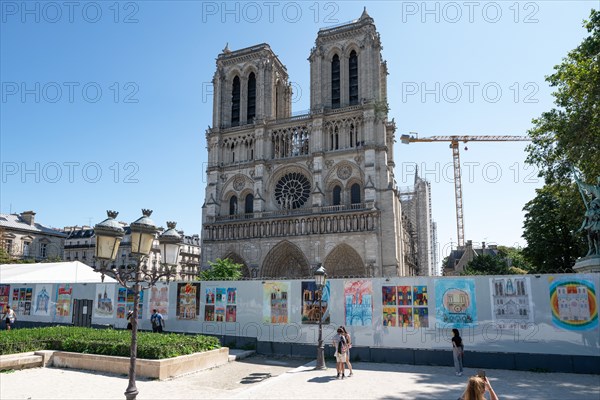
pixel 292 191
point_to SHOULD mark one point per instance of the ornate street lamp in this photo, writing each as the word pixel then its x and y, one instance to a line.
pixel 109 234
pixel 320 276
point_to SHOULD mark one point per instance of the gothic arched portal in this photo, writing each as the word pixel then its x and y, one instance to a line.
pixel 344 261
pixel 285 260
pixel 235 257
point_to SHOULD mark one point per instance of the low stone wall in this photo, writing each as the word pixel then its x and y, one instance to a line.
pixel 159 369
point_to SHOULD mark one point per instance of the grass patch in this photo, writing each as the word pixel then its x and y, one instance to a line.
pixel 108 342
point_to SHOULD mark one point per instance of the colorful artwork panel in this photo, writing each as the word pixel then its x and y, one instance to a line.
pixel 455 302
pixel 231 296
pixel 231 314
pixel 159 300
pixel 63 300
pixel 209 313
pixel 388 295
pixel 4 297
pixel 188 301
pixel 420 296
pixel 221 296
pixel 405 317
pixel 220 314
pixel 21 300
pixel 275 302
pixel 104 306
pixel 404 296
pixel 358 298
pixel 511 302
pixel 210 295
pixel 310 303
pixel 573 303
pixel 389 317
pixel 420 317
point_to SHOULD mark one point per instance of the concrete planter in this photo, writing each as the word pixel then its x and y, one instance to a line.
pixel 158 369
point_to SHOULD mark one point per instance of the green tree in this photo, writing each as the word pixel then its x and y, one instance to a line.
pixel 487 265
pixel 569 135
pixel 515 259
pixel 552 219
pixel 4 257
pixel 222 270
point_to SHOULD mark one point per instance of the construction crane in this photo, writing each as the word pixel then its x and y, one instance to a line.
pixel 455 140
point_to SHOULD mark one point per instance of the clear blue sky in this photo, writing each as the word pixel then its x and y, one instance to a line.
pixel 455 68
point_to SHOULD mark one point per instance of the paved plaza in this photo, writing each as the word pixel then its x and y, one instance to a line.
pixel 262 377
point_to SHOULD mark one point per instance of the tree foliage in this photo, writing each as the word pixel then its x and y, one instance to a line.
pixel 486 265
pixel 550 228
pixel 569 135
pixel 222 270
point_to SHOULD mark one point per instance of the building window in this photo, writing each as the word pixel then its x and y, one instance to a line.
pixel 251 108
pixel 353 77
pixel 337 196
pixel 8 246
pixel 249 206
pixel 355 194
pixel 26 248
pixel 43 250
pixel 292 191
pixel 233 205
pixel 235 102
pixel 335 82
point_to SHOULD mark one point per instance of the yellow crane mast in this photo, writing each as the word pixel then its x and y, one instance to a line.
pixel 455 140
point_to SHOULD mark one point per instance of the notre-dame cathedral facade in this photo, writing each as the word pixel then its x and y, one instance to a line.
pixel 285 193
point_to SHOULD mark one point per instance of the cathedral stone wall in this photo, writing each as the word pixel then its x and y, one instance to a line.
pixel 287 193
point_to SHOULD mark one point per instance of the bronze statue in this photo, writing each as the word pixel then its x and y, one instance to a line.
pixel 591 223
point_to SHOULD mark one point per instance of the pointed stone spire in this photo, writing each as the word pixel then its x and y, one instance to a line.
pixel 226 49
pixel 364 14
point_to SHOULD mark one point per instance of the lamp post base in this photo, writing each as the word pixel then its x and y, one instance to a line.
pixel 320 357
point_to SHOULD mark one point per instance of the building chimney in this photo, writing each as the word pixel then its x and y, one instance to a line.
pixel 28 217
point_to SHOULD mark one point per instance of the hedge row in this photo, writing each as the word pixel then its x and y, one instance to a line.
pixel 111 342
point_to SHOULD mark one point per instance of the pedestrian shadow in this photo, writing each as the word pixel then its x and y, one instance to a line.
pixel 322 379
pixel 255 378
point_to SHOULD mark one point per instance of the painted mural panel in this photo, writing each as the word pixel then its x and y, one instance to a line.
pixel 310 303
pixel 420 296
pixel 188 301
pixel 104 303
pixel 389 317
pixel 455 302
pixel 405 317
pixel 159 300
pixel 22 298
pixel 125 300
pixel 511 302
pixel 42 300
pixel 573 303
pixel 388 295
pixel 421 317
pixel 404 295
pixel 63 300
pixel 358 296
pixel 220 304
pixel 4 297
pixel 275 302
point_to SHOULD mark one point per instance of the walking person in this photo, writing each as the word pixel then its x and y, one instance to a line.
pixel 158 322
pixel 458 352
pixel 340 345
pixel 9 317
pixel 348 347
pixel 129 317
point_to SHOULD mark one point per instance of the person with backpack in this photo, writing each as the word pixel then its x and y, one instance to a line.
pixel 9 317
pixel 157 321
pixel 341 351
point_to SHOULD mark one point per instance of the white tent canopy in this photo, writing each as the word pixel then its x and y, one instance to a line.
pixel 61 272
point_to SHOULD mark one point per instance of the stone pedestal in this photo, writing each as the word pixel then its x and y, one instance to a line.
pixel 588 264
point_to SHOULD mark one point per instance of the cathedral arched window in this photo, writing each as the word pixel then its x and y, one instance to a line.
pixel 353 78
pixel 235 102
pixel 355 194
pixel 337 196
pixel 353 138
pixel 251 107
pixel 335 82
pixel 334 139
pixel 233 205
pixel 249 206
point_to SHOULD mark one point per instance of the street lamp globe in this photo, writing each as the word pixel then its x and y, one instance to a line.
pixel 170 244
pixel 143 232
pixel 320 276
pixel 109 234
